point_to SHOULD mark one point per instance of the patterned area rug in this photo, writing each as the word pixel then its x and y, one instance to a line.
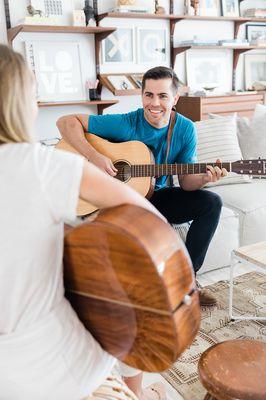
pixel 249 299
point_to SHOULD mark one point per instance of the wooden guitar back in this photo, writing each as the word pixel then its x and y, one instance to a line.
pixel 126 275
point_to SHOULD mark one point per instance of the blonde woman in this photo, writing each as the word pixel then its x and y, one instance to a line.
pixel 45 352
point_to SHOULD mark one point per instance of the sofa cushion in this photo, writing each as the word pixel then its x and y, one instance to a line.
pixel 217 138
pixel 223 242
pixel 252 134
pixel 249 202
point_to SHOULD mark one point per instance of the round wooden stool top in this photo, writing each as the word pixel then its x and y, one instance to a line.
pixel 235 369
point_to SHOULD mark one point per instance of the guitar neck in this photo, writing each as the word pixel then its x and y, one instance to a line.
pixel 175 169
pixel 248 167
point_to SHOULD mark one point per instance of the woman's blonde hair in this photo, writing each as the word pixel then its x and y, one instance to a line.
pixel 16 98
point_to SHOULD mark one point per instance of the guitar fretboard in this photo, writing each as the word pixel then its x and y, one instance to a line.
pixel 175 169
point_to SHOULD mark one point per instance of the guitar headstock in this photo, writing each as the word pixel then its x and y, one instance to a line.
pixel 250 167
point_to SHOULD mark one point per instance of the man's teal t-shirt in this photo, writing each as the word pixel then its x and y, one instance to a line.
pixel 133 126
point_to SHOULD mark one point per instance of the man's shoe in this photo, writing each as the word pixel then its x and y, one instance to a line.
pixel 206 298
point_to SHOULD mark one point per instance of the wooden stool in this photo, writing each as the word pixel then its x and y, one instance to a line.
pixel 235 369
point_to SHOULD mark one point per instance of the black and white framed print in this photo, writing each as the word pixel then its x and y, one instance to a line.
pixel 151 44
pixel 119 47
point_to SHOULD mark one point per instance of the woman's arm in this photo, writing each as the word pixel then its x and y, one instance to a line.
pixel 103 191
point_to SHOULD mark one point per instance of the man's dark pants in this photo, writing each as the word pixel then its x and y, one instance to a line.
pixel 200 206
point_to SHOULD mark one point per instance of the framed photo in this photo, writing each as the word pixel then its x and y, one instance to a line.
pixel 209 70
pixel 119 47
pixel 230 8
pixel 210 8
pixel 151 45
pixel 57 69
pixel 255 69
pixel 256 33
pixel 61 9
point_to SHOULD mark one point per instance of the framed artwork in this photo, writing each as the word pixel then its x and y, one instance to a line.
pixel 230 8
pixel 57 69
pixel 119 47
pixel 151 44
pixel 61 9
pixel 255 69
pixel 256 33
pixel 209 70
pixel 210 8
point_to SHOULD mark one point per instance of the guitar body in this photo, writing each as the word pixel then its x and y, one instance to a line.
pixel 125 153
pixel 132 286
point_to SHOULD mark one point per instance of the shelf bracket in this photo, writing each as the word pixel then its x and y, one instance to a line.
pixel 237 25
pixel 175 51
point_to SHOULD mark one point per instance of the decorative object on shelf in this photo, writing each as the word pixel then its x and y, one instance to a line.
pixel 256 34
pixel 255 69
pixel 31 10
pixel 137 79
pixel 249 8
pixel 92 90
pixel 195 5
pixel 7 13
pixel 60 9
pixel 119 47
pixel 125 2
pixel 259 85
pixel 151 45
pixel 210 70
pixel 210 8
pixel 89 14
pixel 188 9
pixel 79 18
pixel 120 82
pixel 57 69
pixel 159 9
pixel 230 8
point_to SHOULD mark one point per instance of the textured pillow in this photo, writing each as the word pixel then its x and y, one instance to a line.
pixel 217 138
pixel 252 134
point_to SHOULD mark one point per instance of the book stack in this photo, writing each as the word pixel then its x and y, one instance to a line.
pixel 255 12
pixel 198 42
pixel 234 42
pixel 132 9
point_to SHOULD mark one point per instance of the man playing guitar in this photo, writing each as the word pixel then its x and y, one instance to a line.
pixel 172 139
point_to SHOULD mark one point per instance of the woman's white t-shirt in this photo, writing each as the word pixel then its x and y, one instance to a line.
pixel 45 352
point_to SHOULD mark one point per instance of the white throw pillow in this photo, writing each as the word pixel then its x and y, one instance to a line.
pixel 252 134
pixel 217 138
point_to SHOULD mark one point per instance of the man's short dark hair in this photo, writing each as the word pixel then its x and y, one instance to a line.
pixel 161 73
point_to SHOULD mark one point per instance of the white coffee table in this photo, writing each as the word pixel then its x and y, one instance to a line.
pixel 253 255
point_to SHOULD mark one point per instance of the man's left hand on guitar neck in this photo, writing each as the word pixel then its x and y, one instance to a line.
pixel 195 182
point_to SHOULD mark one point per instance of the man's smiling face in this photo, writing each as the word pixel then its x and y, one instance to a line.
pixel 158 98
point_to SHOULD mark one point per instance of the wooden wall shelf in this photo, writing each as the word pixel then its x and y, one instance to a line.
pixel 101 32
pixel 132 15
pixel 101 104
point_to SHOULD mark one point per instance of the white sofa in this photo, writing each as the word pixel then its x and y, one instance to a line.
pixel 243 217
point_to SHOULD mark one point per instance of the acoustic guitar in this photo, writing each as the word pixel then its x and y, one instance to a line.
pixel 133 287
pixel 135 164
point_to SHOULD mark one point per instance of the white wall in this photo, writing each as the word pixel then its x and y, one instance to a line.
pixel 184 30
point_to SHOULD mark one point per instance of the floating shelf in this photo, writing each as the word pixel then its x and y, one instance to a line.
pixel 176 18
pixel 102 32
pixel 101 104
pixel 132 15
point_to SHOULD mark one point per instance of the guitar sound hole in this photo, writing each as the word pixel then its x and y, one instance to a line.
pixel 124 173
